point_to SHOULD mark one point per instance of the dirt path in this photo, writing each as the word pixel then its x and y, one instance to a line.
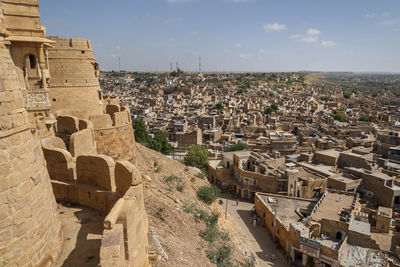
pixel 257 239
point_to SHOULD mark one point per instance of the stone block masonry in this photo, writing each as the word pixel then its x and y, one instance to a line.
pixel 74 85
pixel 30 229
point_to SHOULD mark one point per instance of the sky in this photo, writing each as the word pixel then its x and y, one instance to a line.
pixel 233 35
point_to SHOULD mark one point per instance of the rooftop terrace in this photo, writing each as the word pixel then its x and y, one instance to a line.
pixel 330 207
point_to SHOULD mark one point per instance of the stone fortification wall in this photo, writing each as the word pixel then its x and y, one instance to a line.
pixel 30 229
pixel 114 134
pixel 122 217
pixel 74 85
pixel 113 188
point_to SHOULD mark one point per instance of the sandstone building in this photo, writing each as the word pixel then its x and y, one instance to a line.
pixel 61 141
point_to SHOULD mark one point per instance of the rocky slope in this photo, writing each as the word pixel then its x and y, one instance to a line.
pixel 177 231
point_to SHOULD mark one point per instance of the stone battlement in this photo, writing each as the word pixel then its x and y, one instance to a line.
pixel 49 89
pixel 71 43
pixel 111 187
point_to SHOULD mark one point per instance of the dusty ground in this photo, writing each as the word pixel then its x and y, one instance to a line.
pixel 177 231
pixel 252 239
pixel 82 228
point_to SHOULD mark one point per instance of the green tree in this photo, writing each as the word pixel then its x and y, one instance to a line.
pixel 208 193
pixel 158 143
pixel 238 147
pixel 219 106
pixel 275 107
pixel 271 109
pixel 346 95
pixel 161 140
pixel 141 134
pixel 197 157
pixel 364 118
pixel 339 117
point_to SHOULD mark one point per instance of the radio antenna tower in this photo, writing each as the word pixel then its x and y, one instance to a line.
pixel 170 66
pixel 199 64
pixel 177 66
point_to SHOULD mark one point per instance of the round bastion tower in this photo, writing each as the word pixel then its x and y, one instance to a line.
pixel 30 228
pixel 74 84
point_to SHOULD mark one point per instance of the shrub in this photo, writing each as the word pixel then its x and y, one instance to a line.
pixel 197 157
pixel 190 208
pixel 224 235
pixel 221 256
pixel 238 147
pixel 364 118
pixel 339 117
pixel 219 106
pixel 210 234
pixel 171 178
pixel 209 193
pixel 202 175
pixel 180 186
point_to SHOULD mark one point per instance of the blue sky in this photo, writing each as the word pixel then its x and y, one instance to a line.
pixel 234 35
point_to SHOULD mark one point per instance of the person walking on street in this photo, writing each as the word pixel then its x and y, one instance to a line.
pixel 237 202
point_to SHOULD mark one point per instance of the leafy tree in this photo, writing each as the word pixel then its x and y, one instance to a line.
pixel 364 118
pixel 197 157
pixel 141 134
pixel 275 107
pixel 208 193
pixel 158 143
pixel 339 117
pixel 268 110
pixel 161 140
pixel 219 106
pixel 238 147
pixel 176 73
pixel 346 95
pixel 271 109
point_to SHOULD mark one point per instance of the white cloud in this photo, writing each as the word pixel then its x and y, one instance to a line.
pixel 311 36
pixel 245 56
pixel 261 51
pixel 118 47
pixel 296 36
pixel 328 43
pixel 385 14
pixel 309 39
pixel 172 20
pixel 370 16
pixel 390 22
pixel 313 32
pixel 274 27
pixel 238 45
pixel 195 33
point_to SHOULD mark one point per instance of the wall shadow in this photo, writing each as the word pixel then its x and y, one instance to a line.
pixel 86 252
pixel 264 239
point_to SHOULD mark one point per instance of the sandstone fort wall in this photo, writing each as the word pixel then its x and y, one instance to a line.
pixel 30 229
pixel 74 84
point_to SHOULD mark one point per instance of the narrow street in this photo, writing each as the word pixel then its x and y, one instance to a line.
pixel 258 240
